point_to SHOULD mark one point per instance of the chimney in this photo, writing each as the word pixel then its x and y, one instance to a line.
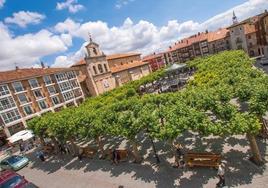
pixel 17 67
pixel 170 47
pixel 198 33
pixel 154 53
pixel 206 31
pixel 265 11
pixel 42 65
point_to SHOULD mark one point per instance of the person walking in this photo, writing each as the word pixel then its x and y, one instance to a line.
pixel 40 155
pixel 221 173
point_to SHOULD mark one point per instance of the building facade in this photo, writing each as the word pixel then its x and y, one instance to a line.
pixel 26 93
pixel 198 45
pixel 101 73
pixel 156 61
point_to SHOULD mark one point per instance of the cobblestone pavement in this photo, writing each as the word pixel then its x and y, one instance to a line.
pixel 65 171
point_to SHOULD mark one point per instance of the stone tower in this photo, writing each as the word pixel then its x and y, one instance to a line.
pixel 98 69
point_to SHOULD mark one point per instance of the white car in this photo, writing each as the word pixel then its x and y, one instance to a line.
pixel 264 61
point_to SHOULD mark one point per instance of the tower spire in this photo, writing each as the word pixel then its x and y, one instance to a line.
pixel 90 37
pixel 235 21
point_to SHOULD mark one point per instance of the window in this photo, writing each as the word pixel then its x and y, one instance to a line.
pixel 4 90
pixel 100 68
pixel 18 87
pixel 65 86
pixel 33 83
pixel 95 70
pixel 95 51
pixel 47 80
pixel 6 103
pixel 22 98
pixel 71 75
pixel 68 96
pixel 10 116
pixel 74 83
pixel 249 37
pixel 55 100
pixel 42 104
pixel 105 67
pixel 61 77
pixel 37 94
pixel 51 90
pixel 28 110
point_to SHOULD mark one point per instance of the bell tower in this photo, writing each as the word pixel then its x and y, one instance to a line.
pixel 93 49
pixel 98 69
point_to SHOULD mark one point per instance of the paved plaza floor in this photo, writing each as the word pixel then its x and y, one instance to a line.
pixel 68 172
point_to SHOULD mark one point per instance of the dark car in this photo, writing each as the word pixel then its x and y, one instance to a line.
pixel 10 179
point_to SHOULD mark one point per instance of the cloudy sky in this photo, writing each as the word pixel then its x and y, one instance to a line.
pixel 56 31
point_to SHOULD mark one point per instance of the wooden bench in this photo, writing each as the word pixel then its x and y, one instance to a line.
pixel 123 154
pixel 88 152
pixel 202 159
pixel 48 149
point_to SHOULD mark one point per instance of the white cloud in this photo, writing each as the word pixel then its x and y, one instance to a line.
pixel 26 50
pixel 120 3
pixel 2 2
pixel 71 5
pixel 144 36
pixel 23 18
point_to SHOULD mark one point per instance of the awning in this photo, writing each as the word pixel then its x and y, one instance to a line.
pixel 175 67
pixel 23 135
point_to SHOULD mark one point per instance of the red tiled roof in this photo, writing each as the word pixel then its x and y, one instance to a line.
pixel 118 56
pixel 152 56
pixel 217 35
pixel 127 66
pixel 249 28
pixel 21 74
pixel 189 41
pixel 79 63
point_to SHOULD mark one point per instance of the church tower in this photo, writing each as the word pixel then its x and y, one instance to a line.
pixel 98 69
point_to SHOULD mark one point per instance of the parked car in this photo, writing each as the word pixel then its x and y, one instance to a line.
pixel 264 61
pixel 14 162
pixel 10 179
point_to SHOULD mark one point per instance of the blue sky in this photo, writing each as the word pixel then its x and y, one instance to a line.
pixel 54 31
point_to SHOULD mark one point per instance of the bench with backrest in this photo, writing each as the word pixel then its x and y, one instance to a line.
pixel 89 152
pixel 202 159
pixel 123 154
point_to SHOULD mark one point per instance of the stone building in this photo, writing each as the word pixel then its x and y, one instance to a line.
pixel 101 73
pixel 26 93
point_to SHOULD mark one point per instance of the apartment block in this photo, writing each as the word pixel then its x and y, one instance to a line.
pixel 200 44
pixel 156 61
pixel 26 93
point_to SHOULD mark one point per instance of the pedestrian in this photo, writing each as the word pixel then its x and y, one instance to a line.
pixel 21 148
pixel 40 155
pixel 115 156
pixel 221 172
pixel 179 156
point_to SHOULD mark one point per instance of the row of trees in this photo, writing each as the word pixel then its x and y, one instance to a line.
pixel 204 106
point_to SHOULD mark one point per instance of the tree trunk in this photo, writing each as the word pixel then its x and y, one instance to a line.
pixel 42 141
pixel 154 149
pixel 174 151
pixel 56 145
pixel 74 148
pixel 136 153
pixel 100 144
pixel 256 156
